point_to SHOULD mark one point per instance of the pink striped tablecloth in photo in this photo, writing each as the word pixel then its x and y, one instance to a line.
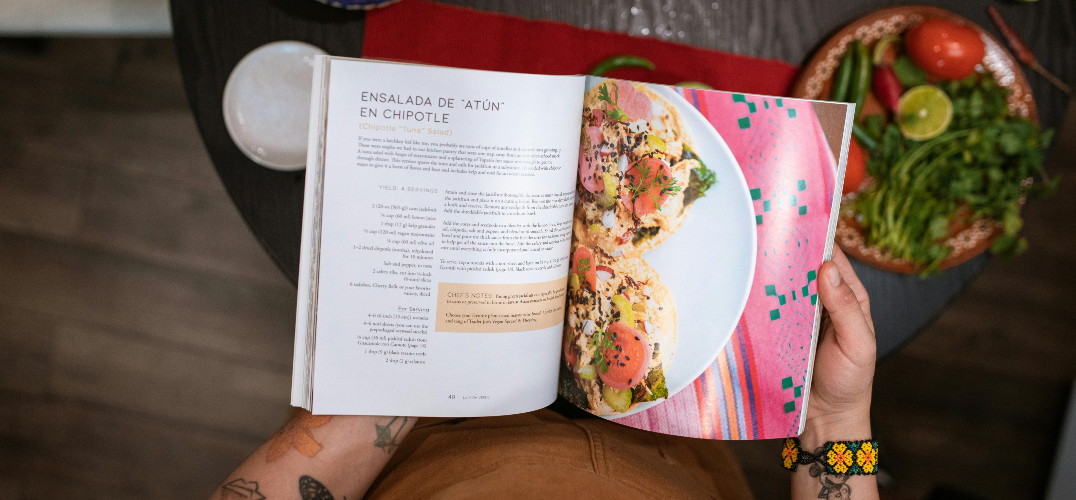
pixel 755 387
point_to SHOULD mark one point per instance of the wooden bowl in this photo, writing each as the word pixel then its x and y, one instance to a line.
pixel 814 83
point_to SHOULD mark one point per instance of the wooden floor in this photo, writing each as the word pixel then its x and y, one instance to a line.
pixel 145 337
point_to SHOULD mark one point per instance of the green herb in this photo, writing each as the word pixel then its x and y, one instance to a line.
pixel 701 180
pixel 665 184
pixel 655 380
pixel 601 340
pixel 583 266
pixel 981 166
pixel 615 114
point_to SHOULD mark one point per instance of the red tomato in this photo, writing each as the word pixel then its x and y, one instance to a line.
pixel 856 169
pixel 945 49
pixel 629 358
pixel 583 265
pixel 657 174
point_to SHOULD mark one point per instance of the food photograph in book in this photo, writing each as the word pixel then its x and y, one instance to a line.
pixel 700 218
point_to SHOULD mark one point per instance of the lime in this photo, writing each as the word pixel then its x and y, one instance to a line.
pixel 924 112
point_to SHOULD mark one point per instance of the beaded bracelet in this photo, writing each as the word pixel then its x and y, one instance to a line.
pixel 847 458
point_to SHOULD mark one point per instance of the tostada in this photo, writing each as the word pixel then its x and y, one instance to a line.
pixel 620 332
pixel 638 172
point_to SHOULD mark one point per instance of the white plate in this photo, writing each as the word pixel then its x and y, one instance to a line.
pixel 709 263
pixel 267 103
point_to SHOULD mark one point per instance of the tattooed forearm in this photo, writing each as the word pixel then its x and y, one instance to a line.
pixel 834 486
pixel 296 434
pixel 240 489
pixel 311 489
pixel 386 436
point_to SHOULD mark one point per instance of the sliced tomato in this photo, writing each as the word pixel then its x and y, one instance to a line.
pixel 583 265
pixel 629 358
pixel 590 166
pixel 647 176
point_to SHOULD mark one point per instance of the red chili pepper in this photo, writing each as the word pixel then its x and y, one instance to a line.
pixel 1015 42
pixel 886 86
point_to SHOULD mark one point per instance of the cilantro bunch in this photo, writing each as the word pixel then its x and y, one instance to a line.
pixel 982 166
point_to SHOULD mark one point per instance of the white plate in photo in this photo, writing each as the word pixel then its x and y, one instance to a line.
pixel 267 103
pixel 709 263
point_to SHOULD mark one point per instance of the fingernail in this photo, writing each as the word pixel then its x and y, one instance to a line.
pixel 834 276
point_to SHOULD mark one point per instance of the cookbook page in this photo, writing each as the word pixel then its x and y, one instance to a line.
pixel 701 220
pixel 445 219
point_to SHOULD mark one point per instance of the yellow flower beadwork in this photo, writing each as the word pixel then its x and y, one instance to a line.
pixel 867 457
pixel 840 458
pixel 790 453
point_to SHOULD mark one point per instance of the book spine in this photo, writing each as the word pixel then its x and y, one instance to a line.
pixel 306 305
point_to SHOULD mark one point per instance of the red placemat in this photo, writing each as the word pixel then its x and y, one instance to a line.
pixel 445 35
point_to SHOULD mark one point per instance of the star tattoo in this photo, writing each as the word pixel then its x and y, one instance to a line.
pixel 386 439
pixel 296 434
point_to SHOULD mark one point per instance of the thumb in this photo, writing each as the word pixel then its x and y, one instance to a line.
pixel 853 334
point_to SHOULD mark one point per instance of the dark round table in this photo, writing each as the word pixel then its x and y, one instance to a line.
pixel 211 36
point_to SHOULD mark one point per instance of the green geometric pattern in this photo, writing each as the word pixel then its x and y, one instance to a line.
pixel 797 391
pixel 782 299
pixel 769 205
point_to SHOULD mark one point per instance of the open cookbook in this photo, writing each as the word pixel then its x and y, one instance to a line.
pixel 475 243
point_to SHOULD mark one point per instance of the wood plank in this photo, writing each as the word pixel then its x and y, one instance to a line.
pixel 40 195
pixel 217 313
pixel 59 448
pixel 150 216
pixel 124 371
pixel 986 433
pixel 25 349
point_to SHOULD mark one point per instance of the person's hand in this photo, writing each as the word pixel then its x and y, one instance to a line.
pixel 839 405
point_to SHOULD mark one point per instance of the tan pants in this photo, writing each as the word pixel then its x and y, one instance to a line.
pixel 545 455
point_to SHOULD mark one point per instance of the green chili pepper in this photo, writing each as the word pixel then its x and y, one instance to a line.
pixel 862 80
pixel 694 85
pixel 617 62
pixel 843 78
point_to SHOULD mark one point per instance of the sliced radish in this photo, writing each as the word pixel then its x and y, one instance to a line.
pixel 605 151
pixel 583 265
pixel 629 357
pixel 590 169
pixel 622 163
pixel 657 173
pixel 634 103
pixel 588 327
pixel 605 273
